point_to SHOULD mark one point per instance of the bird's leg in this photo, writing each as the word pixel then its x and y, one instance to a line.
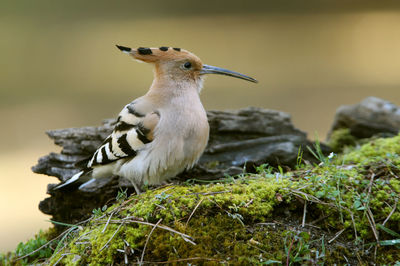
pixel 137 188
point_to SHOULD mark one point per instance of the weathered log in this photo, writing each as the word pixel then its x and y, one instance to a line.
pixel 249 136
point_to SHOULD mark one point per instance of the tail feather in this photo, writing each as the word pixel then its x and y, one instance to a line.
pixel 86 184
pixel 78 178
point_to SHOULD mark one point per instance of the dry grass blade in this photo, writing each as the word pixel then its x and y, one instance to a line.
pixel 304 214
pixel 45 245
pixel 248 203
pixel 391 213
pixel 309 197
pixel 371 221
pixel 180 260
pixel 195 208
pixel 336 235
pixel 108 221
pixel 65 234
pixel 116 231
pixel 36 250
pixel 371 181
pixel 128 219
pixel 210 193
pixel 58 251
pixel 62 256
pixel 147 241
pixel 268 224
pixel 354 225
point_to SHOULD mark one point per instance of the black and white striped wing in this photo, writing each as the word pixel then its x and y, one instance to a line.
pixel 131 133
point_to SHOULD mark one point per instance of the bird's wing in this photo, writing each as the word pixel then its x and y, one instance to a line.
pixel 131 133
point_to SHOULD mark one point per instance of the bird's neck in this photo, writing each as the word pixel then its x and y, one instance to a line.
pixel 165 87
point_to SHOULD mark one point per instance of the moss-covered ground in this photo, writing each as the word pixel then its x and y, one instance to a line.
pixel 345 210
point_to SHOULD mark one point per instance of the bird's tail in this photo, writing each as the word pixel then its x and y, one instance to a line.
pixel 78 179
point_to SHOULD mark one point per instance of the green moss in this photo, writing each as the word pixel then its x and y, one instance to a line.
pixel 341 138
pixel 222 208
pixel 387 149
pixel 395 185
pixel 256 218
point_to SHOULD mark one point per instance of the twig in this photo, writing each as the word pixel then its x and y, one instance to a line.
pixel 253 246
pixel 116 231
pixel 371 180
pixel 100 217
pixel 127 247
pixel 311 198
pixel 248 203
pixel 59 250
pixel 195 208
pixel 178 260
pixel 36 250
pixel 273 224
pixel 62 256
pixel 216 204
pixel 391 213
pixel 147 240
pixel 210 193
pixel 311 225
pixel 346 259
pixel 354 225
pixel 371 221
pixel 108 221
pixel 185 237
pixel 160 206
pixel 76 226
pixel 82 243
pixel 127 201
pixel 336 235
pixel 45 245
pixel 304 214
pixel 85 234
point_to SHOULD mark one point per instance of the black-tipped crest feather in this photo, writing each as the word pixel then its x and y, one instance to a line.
pixel 123 48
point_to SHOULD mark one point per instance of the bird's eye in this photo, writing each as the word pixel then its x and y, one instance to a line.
pixel 187 65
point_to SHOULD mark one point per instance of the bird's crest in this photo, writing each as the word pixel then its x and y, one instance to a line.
pixel 152 55
pixel 187 60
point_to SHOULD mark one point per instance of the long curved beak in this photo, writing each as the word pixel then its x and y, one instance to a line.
pixel 222 71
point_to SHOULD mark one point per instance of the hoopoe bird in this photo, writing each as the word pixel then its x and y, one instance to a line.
pixel 162 133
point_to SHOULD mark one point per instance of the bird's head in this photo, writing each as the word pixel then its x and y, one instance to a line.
pixel 177 64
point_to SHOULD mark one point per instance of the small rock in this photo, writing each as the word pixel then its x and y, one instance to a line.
pixel 370 117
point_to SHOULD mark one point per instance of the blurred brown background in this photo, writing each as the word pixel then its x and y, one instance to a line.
pixel 59 68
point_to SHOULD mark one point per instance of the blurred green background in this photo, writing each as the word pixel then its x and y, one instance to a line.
pixel 59 68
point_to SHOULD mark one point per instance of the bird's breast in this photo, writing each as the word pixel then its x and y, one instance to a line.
pixel 184 128
pixel 180 138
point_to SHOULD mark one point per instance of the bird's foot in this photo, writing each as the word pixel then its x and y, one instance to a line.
pixel 138 189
